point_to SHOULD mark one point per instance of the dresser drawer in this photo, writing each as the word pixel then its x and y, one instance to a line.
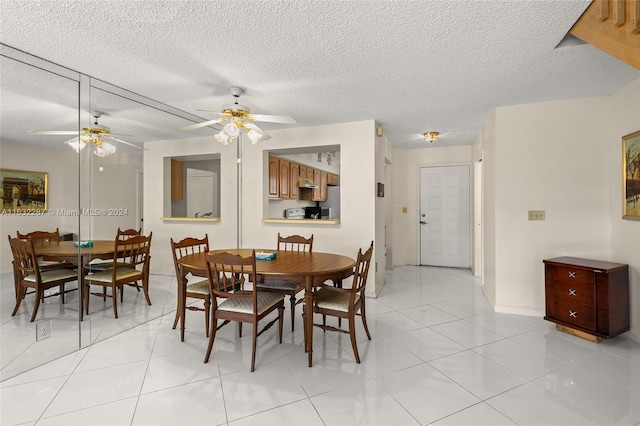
pixel 570 274
pixel 575 313
pixel 573 292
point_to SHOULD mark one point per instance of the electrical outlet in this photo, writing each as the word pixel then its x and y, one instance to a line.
pixel 43 330
pixel 536 214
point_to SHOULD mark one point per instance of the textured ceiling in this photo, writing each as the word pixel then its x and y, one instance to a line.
pixel 413 66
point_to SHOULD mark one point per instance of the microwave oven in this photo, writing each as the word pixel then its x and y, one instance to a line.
pixel 325 213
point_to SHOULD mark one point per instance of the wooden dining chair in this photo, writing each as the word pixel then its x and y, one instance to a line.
pixel 290 288
pixel 234 298
pixel 44 238
pixel 198 289
pixel 346 303
pixel 131 258
pixel 98 265
pixel 29 274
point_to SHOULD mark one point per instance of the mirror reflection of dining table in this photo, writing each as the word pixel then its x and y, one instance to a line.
pixel 307 269
pixel 79 256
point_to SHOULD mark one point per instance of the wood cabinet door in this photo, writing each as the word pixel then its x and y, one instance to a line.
pixel 283 178
pixel 323 186
pixel 293 180
pixel 302 171
pixel 317 179
pixel 332 179
pixel 273 177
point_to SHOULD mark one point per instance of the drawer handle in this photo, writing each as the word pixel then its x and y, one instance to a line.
pixel 572 292
pixel 573 314
pixel 572 274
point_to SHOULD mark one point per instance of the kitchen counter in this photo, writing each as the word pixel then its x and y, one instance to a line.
pixel 303 221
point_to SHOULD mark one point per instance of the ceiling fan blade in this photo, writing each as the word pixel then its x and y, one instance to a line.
pixel 212 112
pixel 205 123
pixel 274 118
pixel 53 132
pixel 124 142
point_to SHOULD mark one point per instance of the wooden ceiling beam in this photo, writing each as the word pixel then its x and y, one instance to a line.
pixel 612 26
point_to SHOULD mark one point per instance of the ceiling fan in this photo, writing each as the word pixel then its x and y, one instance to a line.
pixel 238 117
pixel 94 133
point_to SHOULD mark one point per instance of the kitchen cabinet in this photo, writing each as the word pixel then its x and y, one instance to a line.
pixel 332 179
pixel 283 178
pixel 273 177
pixel 587 298
pixel 284 175
pixel 294 174
pixel 323 186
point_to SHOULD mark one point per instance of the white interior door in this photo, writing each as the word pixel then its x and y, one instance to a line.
pixel 200 193
pixel 444 216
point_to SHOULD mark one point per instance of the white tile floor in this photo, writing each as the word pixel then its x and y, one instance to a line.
pixel 439 355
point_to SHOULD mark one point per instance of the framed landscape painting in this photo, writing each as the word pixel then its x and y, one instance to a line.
pixel 631 176
pixel 23 191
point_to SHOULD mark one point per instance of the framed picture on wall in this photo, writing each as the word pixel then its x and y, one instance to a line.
pixel 23 191
pixel 631 176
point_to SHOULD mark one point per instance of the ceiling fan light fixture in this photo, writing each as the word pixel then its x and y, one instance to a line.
pixel 104 149
pixel 76 144
pixel 232 130
pixel 254 136
pixel 431 136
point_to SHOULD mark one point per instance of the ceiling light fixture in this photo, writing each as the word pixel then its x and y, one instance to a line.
pixel 94 133
pixel 239 117
pixel 319 157
pixel 431 136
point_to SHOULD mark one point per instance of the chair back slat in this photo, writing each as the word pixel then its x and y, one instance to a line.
pixel 128 233
pixel 187 246
pixel 24 257
pixel 41 237
pixel 361 269
pixel 230 275
pixel 133 251
pixel 295 243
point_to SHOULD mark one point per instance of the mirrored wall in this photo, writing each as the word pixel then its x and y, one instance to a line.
pixel 92 190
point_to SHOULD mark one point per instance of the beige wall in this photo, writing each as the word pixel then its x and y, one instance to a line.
pixel 357 183
pixel 625 234
pixel 406 193
pixel 114 188
pixel 563 157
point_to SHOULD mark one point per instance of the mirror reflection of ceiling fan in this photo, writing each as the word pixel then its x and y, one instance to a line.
pixel 95 133
pixel 237 117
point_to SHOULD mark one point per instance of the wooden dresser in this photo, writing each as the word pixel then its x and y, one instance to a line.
pixel 587 298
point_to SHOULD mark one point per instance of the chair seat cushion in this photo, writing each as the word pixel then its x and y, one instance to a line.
pixel 284 286
pixel 200 287
pixel 244 305
pixel 334 300
pixel 122 274
pixel 53 275
pixel 101 266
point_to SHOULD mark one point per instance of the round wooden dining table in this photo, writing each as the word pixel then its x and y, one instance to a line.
pixel 66 250
pixel 79 256
pixel 307 269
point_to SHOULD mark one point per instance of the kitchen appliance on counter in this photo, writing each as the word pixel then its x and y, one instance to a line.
pixel 325 213
pixel 295 213
pixel 312 212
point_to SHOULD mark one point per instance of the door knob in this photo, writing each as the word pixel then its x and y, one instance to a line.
pixel 422 222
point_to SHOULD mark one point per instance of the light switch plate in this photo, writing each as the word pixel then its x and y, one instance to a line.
pixel 536 214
